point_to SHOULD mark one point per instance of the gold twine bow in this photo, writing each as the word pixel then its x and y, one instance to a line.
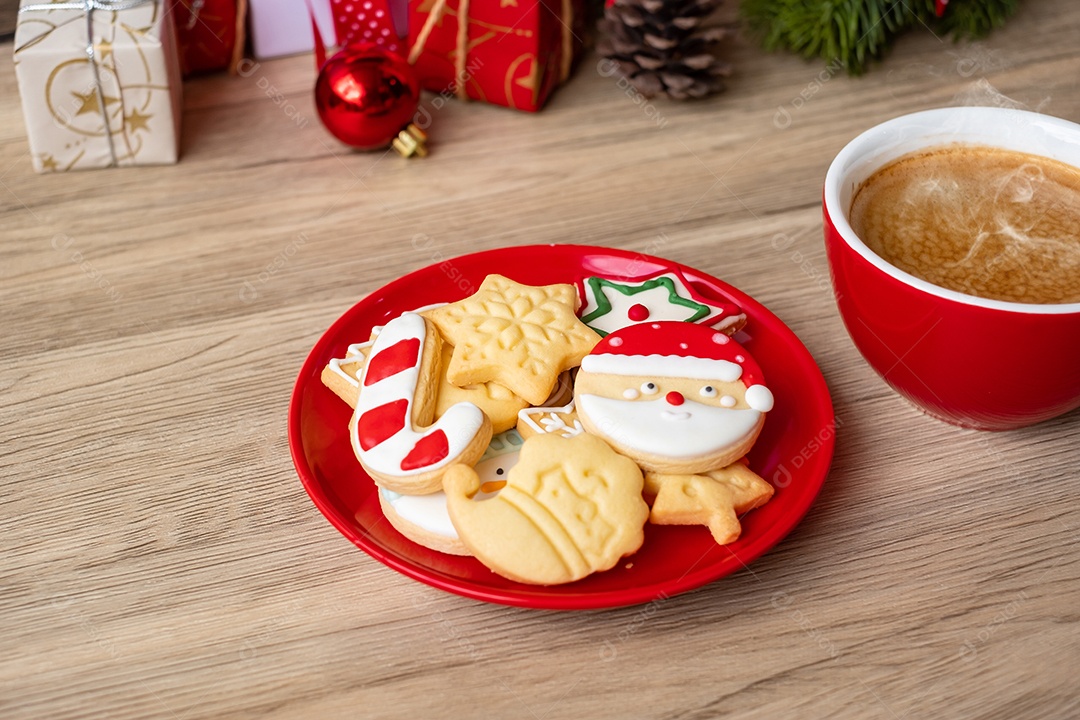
pixel 462 48
pixel 88 7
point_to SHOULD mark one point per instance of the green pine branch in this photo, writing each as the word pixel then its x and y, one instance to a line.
pixel 855 32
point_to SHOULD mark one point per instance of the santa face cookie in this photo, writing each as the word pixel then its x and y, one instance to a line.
pixel 676 397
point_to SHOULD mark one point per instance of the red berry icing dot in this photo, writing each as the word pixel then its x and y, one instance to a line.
pixel 638 313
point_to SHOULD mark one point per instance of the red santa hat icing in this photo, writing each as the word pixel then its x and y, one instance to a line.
pixel 679 350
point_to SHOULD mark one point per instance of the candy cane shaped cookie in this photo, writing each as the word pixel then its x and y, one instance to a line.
pixel 390 429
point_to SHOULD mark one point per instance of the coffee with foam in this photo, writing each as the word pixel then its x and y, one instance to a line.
pixel 982 221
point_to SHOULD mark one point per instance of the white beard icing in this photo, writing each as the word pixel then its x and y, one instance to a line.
pixel 655 427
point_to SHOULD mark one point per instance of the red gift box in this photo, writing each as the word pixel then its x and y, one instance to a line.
pixel 210 34
pixel 513 52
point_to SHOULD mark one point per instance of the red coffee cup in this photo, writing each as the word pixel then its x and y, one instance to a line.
pixel 967 360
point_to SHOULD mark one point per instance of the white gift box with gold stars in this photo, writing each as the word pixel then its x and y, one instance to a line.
pixel 100 83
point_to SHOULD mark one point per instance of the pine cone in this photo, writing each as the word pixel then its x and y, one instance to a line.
pixel 665 46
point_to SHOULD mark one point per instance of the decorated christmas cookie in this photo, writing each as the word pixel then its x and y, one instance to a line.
pixel 340 374
pixel 424 518
pixel 561 421
pixel 391 428
pixel 608 304
pixel 676 397
pixel 571 507
pixel 517 335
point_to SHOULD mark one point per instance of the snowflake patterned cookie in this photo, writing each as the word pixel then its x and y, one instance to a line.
pixel 517 335
pixel 497 402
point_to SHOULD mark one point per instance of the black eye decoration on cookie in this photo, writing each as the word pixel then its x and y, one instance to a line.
pixel 708 391
pixel 649 388
pixel 500 472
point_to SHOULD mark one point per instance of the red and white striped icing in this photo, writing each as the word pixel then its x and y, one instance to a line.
pixel 381 429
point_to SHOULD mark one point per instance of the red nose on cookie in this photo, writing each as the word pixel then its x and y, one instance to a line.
pixel 674 398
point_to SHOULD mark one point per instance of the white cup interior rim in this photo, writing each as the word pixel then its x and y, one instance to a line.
pixel 997 127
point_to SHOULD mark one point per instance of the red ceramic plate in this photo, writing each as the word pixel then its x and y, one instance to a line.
pixel 793 452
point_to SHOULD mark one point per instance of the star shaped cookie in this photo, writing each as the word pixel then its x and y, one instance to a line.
pixel 609 304
pixel 517 335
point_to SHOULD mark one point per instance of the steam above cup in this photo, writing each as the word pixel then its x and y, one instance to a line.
pixel 967 360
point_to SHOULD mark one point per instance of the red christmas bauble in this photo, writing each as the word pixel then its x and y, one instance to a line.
pixel 366 95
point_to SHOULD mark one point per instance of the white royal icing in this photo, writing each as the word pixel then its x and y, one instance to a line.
pixel 354 353
pixel 460 423
pixel 759 398
pixel 426 511
pixel 661 366
pixel 549 420
pixel 654 427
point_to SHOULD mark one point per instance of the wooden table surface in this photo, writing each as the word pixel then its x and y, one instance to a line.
pixel 163 560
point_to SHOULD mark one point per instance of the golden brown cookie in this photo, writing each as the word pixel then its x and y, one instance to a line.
pixel 520 336
pixel 498 403
pixel 496 400
pixel 570 507
pixel 715 499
